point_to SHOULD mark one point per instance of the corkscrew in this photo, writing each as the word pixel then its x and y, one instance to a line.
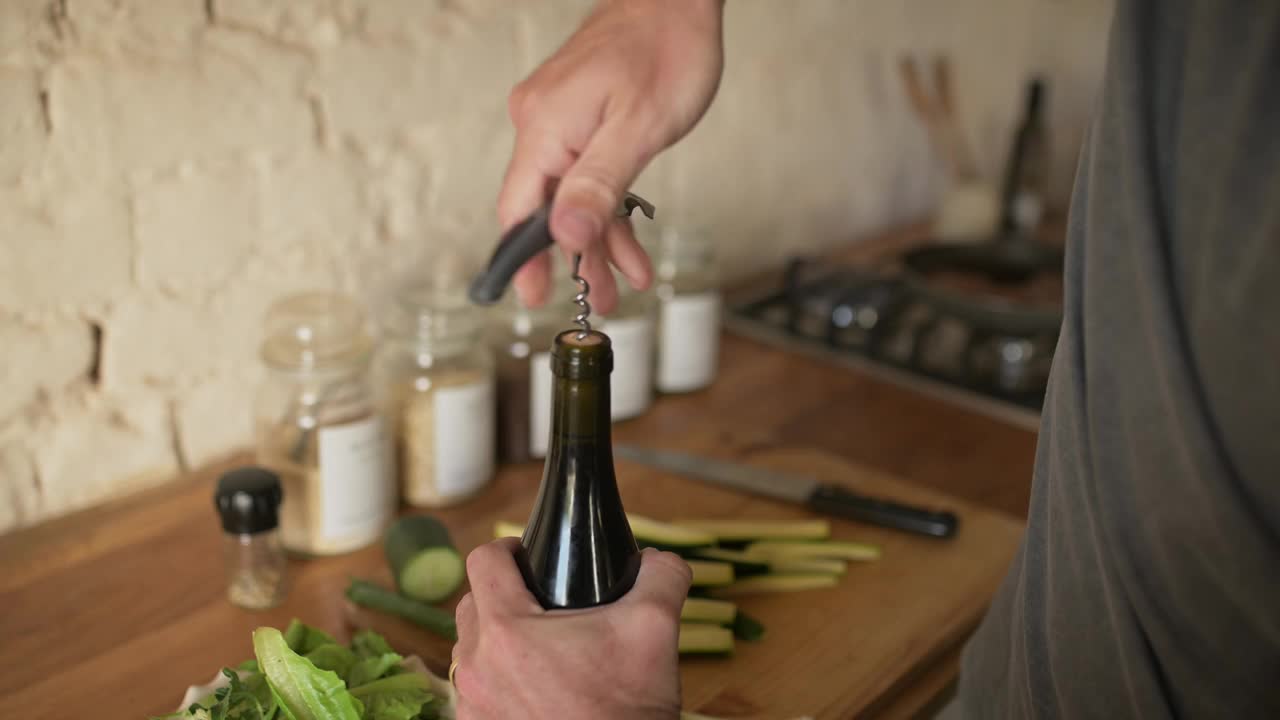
pixel 583 318
pixel 526 240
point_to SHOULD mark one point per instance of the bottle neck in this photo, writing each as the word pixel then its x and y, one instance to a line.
pixel 580 414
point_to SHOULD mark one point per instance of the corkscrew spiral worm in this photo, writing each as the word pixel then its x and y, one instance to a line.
pixel 580 299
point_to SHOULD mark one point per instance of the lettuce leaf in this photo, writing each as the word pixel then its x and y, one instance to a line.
pixel 303 638
pixel 304 674
pixel 337 658
pixel 303 691
pixel 368 643
pixel 398 697
pixel 372 668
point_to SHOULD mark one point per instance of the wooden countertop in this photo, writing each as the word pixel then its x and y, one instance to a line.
pixel 113 611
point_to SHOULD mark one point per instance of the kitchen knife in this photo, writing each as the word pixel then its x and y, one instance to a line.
pixel 809 492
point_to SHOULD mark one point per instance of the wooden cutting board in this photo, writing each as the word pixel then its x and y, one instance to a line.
pixel 127 602
pixel 835 653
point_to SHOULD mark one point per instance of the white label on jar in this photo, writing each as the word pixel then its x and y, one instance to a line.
pixel 464 438
pixel 631 387
pixel 355 479
pixel 690 342
pixel 539 403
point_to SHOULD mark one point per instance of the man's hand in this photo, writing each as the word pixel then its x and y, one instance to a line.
pixel 618 661
pixel 634 79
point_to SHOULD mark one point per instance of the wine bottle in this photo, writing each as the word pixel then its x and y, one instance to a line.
pixel 577 550
pixel 1027 171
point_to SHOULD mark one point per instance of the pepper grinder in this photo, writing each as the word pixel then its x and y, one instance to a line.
pixel 248 503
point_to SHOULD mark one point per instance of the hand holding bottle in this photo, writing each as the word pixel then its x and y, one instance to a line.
pixel 631 81
pixel 516 660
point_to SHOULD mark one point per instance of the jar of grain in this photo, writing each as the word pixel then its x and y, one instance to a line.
pixel 631 329
pixel 688 289
pixel 318 426
pixel 438 379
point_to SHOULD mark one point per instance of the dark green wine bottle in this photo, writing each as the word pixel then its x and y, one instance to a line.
pixel 578 550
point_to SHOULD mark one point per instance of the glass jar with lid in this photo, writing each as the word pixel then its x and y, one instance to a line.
pixel 318 426
pixel 521 338
pixel 631 328
pixel 438 382
pixel 688 290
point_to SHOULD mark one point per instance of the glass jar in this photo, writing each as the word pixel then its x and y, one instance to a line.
pixel 688 290
pixel 521 338
pixel 318 426
pixel 438 390
pixel 631 327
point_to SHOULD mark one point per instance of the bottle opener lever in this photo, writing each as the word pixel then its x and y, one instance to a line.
pixel 527 239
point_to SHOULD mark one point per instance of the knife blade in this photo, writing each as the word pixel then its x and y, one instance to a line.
pixel 802 490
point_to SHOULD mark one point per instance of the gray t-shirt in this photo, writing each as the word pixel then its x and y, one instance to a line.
pixel 1148 583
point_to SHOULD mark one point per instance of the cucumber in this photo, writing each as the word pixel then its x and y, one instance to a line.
pixel 703 610
pixel 366 594
pixel 827 549
pixel 745 530
pixel 423 561
pixel 743 564
pixel 774 583
pixel 747 628
pixel 711 573
pixel 647 532
pixel 696 639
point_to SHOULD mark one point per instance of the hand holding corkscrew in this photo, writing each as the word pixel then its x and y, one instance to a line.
pixel 528 239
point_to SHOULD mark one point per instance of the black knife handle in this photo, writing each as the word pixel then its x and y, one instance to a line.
pixel 832 500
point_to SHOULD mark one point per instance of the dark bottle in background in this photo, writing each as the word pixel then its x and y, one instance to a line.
pixel 1026 176
pixel 578 550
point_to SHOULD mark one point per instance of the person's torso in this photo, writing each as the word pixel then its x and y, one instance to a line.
pixel 1149 581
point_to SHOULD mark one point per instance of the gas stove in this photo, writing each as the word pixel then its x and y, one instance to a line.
pixel 960 322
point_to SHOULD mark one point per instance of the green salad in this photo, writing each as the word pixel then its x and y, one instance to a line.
pixel 304 674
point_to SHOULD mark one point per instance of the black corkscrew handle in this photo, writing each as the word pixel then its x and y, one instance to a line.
pixel 525 240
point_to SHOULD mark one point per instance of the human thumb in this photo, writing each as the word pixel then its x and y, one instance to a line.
pixel 589 193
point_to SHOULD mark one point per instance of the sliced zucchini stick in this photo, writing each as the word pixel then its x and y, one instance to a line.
pixel 747 563
pixel 647 532
pixel 747 628
pixel 816 566
pixel 743 530
pixel 666 535
pixel 774 583
pixel 827 549
pixel 703 610
pixel 700 639
pixel 709 573
pixel 743 564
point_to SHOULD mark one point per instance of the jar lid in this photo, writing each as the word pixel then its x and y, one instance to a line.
pixel 248 500
pixel 315 331
pixel 427 315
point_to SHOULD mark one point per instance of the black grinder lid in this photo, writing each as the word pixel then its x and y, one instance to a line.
pixel 248 500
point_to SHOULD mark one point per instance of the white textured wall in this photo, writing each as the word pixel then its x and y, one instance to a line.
pixel 169 166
